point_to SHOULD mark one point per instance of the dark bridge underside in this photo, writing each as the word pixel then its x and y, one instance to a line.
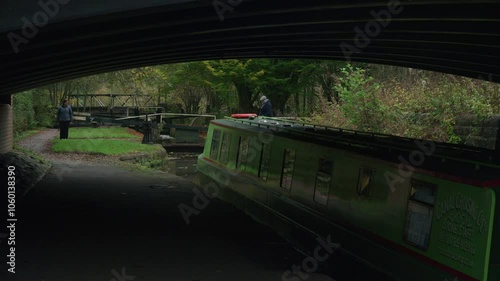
pixel 457 37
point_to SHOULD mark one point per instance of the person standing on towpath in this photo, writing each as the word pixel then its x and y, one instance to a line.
pixel 64 117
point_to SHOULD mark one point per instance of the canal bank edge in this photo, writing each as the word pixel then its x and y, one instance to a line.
pixel 28 169
pixel 151 159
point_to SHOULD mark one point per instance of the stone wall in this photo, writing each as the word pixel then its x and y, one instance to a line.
pixel 477 132
pixel 6 124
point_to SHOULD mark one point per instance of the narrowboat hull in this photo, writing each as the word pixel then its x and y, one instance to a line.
pixel 357 258
pixel 377 232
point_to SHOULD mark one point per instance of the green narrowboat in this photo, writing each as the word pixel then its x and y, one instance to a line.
pixel 411 209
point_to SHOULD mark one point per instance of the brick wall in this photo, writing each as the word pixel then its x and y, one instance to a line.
pixel 6 128
pixel 477 132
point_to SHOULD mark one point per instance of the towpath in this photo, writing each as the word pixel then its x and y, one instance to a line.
pixel 90 220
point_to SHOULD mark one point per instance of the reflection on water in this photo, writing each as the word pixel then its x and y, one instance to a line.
pixel 182 164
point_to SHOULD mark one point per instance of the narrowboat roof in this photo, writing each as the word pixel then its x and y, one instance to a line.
pixel 461 160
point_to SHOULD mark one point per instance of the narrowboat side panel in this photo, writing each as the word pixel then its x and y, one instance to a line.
pixel 494 271
pixel 377 208
pixel 415 222
pixel 462 228
pixel 296 222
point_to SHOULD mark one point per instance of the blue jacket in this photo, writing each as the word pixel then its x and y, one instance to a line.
pixel 267 109
pixel 64 113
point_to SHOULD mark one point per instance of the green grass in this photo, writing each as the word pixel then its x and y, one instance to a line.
pixel 101 133
pixel 101 146
pixel 104 140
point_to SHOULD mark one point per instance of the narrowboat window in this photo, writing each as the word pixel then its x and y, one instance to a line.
pixel 214 147
pixel 419 214
pixel 364 182
pixel 224 151
pixel 287 171
pixel 241 158
pixel 264 161
pixel 422 192
pixel 323 179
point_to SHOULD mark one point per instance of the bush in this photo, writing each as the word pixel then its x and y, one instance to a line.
pixel 406 102
pixel 32 109
pixel 24 116
pixel 360 100
pixel 45 112
pixel 329 114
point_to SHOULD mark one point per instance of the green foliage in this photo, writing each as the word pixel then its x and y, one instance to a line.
pixel 190 86
pixel 427 104
pixel 405 102
pixel 378 98
pixel 283 79
pixel 138 81
pixel 325 74
pixel 278 79
pixel 32 109
pixel 45 112
pixel 240 77
pixel 360 101
pixel 24 116
pixel 329 113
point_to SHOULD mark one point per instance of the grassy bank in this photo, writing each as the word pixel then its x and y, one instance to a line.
pixel 106 141
pixel 103 133
pixel 101 146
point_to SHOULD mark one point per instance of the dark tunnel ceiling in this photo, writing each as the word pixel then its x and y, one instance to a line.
pixel 457 37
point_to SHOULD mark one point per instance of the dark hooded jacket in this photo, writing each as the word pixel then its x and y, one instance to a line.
pixel 267 109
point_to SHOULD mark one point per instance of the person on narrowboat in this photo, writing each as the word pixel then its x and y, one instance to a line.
pixel 267 107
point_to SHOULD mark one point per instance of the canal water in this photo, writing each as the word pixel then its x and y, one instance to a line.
pixel 182 164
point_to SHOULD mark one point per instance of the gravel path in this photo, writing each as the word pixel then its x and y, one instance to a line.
pixel 39 142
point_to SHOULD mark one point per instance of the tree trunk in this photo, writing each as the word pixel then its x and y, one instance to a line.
pixel 244 97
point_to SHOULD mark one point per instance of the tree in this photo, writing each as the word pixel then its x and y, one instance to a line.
pixel 190 84
pixel 241 75
pixel 326 73
pixel 284 78
pixel 61 90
